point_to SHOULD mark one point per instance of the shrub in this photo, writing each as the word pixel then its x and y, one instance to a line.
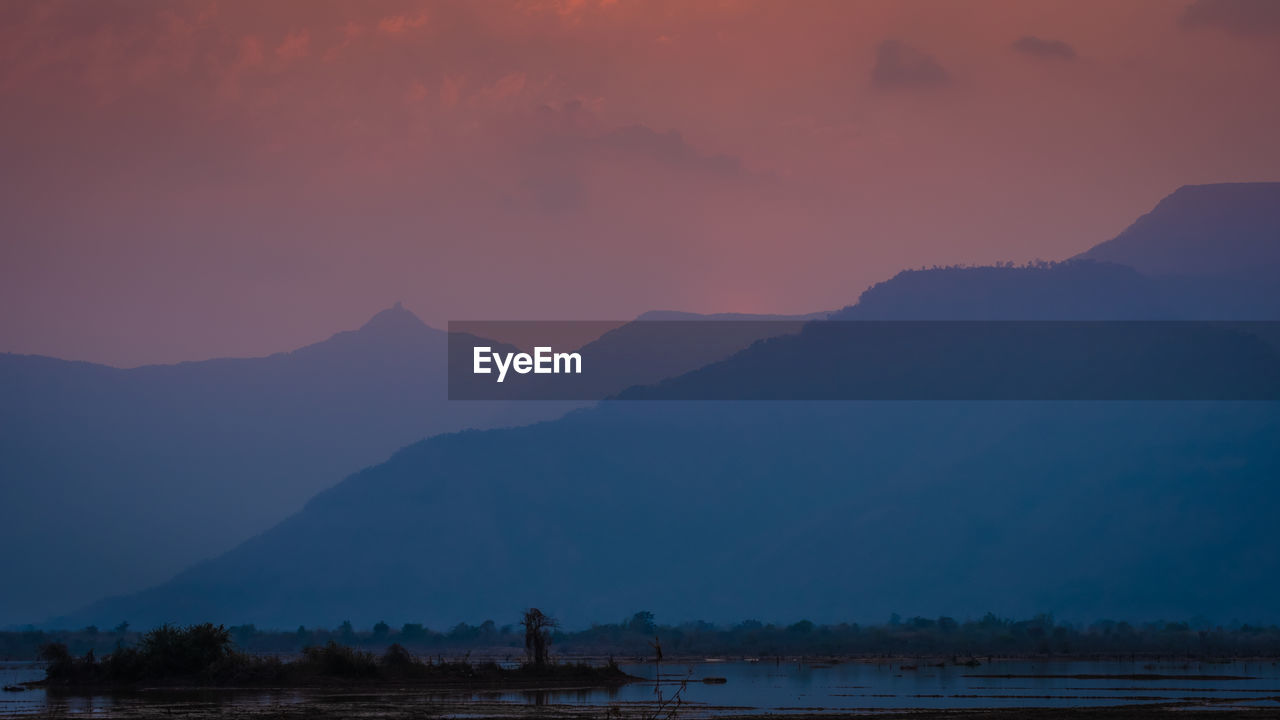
pixel 60 663
pixel 195 650
pixel 336 660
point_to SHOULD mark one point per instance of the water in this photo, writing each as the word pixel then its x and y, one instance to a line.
pixel 12 673
pixel 764 687
pixel 783 687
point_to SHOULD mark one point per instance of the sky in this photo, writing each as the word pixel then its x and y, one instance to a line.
pixel 184 180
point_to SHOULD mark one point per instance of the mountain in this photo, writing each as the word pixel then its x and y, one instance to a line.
pixel 131 475
pixel 994 360
pixel 116 479
pixel 1205 252
pixel 828 510
pixel 831 511
pixel 1074 290
pixel 1224 229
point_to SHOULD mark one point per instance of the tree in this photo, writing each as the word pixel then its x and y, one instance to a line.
pixel 413 631
pixel 642 622
pixel 537 635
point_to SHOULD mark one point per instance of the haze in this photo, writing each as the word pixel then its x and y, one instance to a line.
pixel 196 179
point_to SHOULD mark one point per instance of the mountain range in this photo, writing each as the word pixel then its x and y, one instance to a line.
pixel 227 448
pixel 116 479
pixel 828 510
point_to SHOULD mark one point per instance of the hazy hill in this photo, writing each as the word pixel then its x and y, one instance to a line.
pixel 131 475
pixel 1206 252
pixel 1223 229
pixel 829 510
pixel 115 479
pixel 777 510
pixel 1079 290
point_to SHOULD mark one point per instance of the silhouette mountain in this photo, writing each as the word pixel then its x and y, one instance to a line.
pixel 116 479
pixel 1225 229
pixel 1205 252
pixel 142 472
pixel 1076 290
pixel 830 510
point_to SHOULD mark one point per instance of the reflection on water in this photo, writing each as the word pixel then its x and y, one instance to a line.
pixel 767 686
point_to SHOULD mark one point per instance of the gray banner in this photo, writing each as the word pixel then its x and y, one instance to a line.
pixel 864 360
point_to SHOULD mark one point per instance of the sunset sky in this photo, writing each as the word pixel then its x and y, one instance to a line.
pixel 183 180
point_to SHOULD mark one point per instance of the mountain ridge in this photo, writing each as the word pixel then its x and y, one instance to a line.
pixel 1214 229
pixel 826 510
pixel 228 446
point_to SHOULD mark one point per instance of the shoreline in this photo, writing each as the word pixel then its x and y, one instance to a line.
pixel 347 702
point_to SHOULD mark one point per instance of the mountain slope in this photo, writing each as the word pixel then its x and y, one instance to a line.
pixel 1076 290
pixel 132 475
pixel 776 509
pixel 1206 252
pixel 1222 229
pixel 115 479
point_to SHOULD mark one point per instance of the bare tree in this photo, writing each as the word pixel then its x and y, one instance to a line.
pixel 537 635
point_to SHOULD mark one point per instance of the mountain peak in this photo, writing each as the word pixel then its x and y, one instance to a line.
pixel 394 319
pixel 395 325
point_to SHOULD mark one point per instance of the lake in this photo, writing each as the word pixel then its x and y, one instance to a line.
pixel 766 686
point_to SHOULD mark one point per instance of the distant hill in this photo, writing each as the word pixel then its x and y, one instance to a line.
pixel 115 479
pixel 1076 290
pixel 831 510
pixel 229 447
pixel 1206 252
pixel 1224 229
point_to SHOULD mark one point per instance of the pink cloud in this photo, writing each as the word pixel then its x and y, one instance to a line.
pixel 296 45
pixel 396 24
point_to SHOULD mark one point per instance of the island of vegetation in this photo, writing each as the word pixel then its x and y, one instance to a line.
pixel 205 656
pixel 518 655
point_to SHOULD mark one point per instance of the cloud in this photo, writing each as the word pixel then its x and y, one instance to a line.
pixel 296 45
pixel 670 147
pixel 396 24
pixel 1238 17
pixel 900 66
pixel 570 159
pixel 1044 49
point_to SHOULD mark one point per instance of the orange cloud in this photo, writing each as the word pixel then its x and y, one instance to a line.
pixel 396 24
pixel 296 45
pixel 417 92
pixel 351 31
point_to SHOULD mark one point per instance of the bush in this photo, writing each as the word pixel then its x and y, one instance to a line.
pixel 204 655
pixel 339 661
pixel 196 650
pixel 397 657
pixel 61 665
